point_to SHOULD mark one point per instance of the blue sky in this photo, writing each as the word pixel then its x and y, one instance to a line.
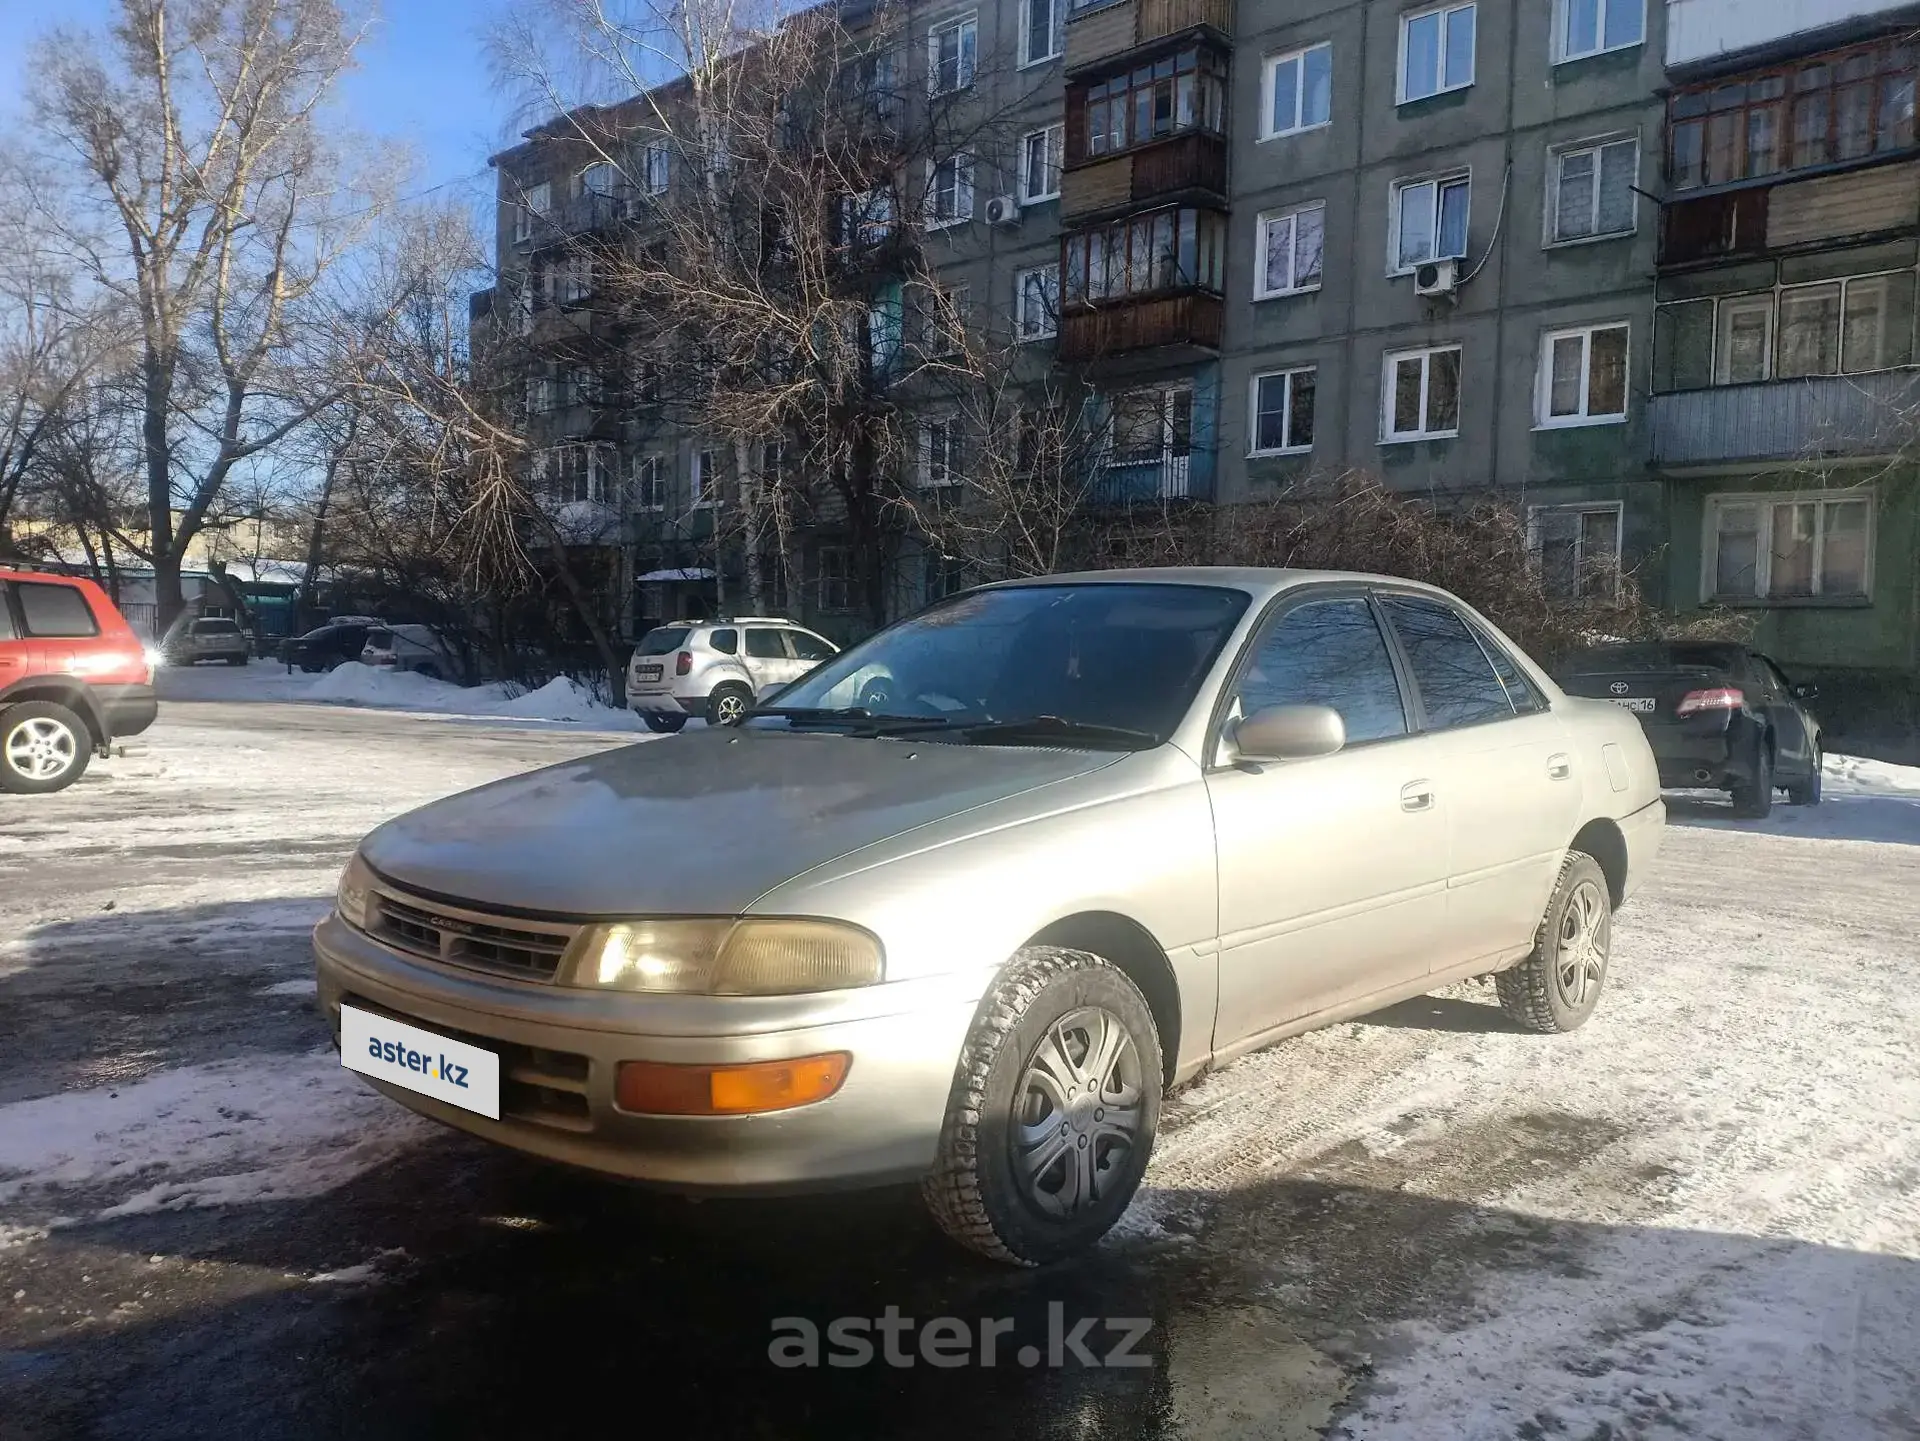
pixel 423 78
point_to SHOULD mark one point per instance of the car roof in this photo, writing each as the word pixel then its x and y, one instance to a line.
pixel 1261 582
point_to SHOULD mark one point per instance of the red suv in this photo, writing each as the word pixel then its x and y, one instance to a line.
pixel 74 678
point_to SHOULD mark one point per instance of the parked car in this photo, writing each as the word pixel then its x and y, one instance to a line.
pixel 338 641
pixel 416 648
pixel 209 638
pixel 1112 830
pixel 718 668
pixel 1718 716
pixel 74 679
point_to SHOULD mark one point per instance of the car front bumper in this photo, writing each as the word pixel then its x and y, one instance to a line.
pixel 560 1048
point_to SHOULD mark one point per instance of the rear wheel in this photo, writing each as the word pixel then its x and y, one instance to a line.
pixel 236 660
pixel 1754 801
pixel 662 724
pixel 1053 1111
pixel 729 704
pixel 1558 985
pixel 43 747
pixel 1807 792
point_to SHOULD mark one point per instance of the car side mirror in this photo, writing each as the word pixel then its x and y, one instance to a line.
pixel 1289 733
pixel 1804 690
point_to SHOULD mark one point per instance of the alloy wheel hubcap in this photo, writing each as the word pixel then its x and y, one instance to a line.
pixel 40 749
pixel 1582 960
pixel 731 709
pixel 1077 1112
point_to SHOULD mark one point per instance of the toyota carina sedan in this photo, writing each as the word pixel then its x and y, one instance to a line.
pixel 1102 833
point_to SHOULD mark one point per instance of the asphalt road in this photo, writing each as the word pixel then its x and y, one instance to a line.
pixel 1696 1217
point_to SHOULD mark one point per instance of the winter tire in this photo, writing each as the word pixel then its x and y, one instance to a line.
pixel 1055 1103
pixel 1807 793
pixel 1754 801
pixel 44 747
pixel 1558 985
pixel 729 704
pixel 236 660
pixel 660 724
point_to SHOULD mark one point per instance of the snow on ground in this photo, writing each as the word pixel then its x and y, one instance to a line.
pixel 354 684
pixel 1865 800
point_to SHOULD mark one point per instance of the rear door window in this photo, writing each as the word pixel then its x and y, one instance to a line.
pixel 54 612
pixel 765 645
pixel 807 646
pixel 1457 683
pixel 727 642
pixel 1330 653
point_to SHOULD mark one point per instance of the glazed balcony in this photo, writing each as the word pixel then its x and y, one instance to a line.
pixel 1189 321
pixel 1786 420
pixel 1190 166
pixel 1099 34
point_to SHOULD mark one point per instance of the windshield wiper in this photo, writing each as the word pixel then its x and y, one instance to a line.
pixel 1055 728
pixel 862 720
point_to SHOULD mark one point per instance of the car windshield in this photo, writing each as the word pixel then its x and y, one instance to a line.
pixel 1115 655
pixel 663 641
pixel 1654 655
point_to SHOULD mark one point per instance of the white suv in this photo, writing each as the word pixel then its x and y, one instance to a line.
pixel 717 668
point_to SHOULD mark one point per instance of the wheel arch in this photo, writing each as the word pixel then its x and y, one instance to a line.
pixel 1603 839
pixel 1125 943
pixel 59 691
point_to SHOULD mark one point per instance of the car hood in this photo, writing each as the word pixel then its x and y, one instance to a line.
pixel 698 824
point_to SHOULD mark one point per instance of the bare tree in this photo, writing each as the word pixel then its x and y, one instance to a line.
pixel 218 204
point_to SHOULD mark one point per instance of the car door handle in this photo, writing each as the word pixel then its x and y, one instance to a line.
pixel 1416 796
pixel 1559 767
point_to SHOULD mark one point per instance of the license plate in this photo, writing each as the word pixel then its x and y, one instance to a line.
pixel 647 672
pixel 424 1061
pixel 1639 704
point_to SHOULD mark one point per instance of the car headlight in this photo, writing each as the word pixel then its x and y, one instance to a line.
pixel 155 657
pixel 356 884
pixel 726 957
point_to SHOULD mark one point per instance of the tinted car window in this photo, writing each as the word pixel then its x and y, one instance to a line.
pixel 662 641
pixel 727 642
pixel 1456 680
pixel 54 611
pixel 765 645
pixel 1331 653
pixel 809 647
pixel 215 627
pixel 1526 700
pixel 379 640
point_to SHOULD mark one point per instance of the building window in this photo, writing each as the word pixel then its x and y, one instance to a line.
pixel 1291 244
pixel 950 55
pixel 654 167
pixel 1043 30
pixel 1422 400
pixel 1436 51
pixel 1824 110
pixel 573 474
pixel 649 483
pixel 944 320
pixel 1297 92
pixel 1588 27
pixel 884 329
pixel 1145 254
pixel 940 457
pixel 945 575
pixel 1850 326
pixel 535 202
pixel 1282 406
pixel 599 180
pixel 1429 221
pixel 1036 302
pixel 1040 164
pixel 1583 376
pixel 1577 549
pixel 1592 192
pixel 1182 92
pixel 1788 547
pixel 706 478
pixel 836 578
pixel 950 192
pixel 866 219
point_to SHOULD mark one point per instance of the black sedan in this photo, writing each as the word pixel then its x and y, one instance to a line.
pixel 335 642
pixel 1718 716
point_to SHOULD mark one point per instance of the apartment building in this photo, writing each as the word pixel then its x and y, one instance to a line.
pixel 1783 415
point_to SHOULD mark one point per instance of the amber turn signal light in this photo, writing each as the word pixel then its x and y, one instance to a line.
pixel 657 1088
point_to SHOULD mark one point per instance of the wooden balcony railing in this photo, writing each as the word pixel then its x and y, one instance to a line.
pixel 1097 32
pixel 1195 161
pixel 1119 326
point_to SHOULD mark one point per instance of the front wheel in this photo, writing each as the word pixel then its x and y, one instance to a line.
pixel 661 724
pixel 1807 792
pixel 44 747
pixel 1558 985
pixel 1754 801
pixel 1053 1112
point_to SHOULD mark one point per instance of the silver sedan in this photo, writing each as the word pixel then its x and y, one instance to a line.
pixel 1108 831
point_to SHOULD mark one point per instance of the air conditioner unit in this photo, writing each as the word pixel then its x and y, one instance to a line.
pixel 1003 210
pixel 1436 277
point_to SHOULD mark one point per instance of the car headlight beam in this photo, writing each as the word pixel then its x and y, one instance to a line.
pixel 725 957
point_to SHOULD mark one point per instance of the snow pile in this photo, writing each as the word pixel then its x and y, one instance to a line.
pixel 561 699
pixel 255 1128
pixel 355 684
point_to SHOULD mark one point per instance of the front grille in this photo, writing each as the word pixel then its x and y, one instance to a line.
pixel 546 1088
pixel 461 938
